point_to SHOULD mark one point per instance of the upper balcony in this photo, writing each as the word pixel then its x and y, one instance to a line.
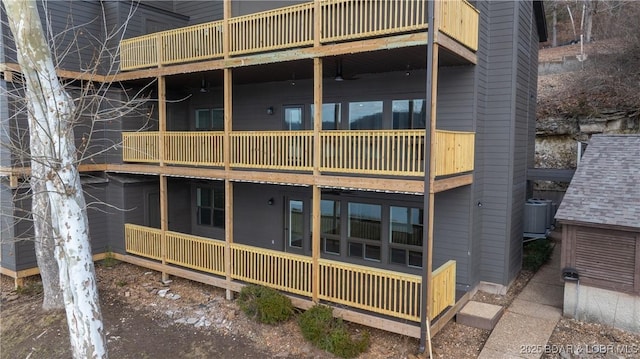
pixel 297 27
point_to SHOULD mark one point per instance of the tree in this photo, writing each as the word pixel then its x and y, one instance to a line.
pixel 92 44
pixel 53 153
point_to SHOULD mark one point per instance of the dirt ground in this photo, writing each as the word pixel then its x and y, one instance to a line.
pixel 147 319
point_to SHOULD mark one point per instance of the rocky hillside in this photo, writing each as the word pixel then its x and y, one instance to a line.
pixel 577 99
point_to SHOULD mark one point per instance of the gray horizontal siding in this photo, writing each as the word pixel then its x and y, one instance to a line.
pixel 211 11
pixel 451 232
pixel 7 247
pixel 495 137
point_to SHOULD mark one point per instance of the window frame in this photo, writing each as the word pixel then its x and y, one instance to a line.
pixel 407 248
pixel 365 242
pixel 411 113
pixel 336 218
pixel 216 191
pixel 211 120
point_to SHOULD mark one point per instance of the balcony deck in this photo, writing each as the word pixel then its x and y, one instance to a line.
pixel 295 27
pixel 382 292
pixel 369 152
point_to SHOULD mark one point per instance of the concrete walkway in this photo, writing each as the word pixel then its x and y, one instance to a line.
pixel 528 322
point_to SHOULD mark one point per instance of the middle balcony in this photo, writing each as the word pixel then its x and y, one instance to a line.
pixel 358 152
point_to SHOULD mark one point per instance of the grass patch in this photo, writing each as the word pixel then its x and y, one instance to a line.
pixel 30 288
pixel 265 305
pixel 536 253
pixel 331 334
pixel 109 260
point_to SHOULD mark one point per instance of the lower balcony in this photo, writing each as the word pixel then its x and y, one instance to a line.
pixel 382 292
pixel 369 152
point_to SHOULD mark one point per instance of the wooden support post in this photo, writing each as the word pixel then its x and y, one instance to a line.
pixel 317 113
pixel 315 243
pixel 228 117
pixel 159 54
pixel 228 234
pixel 317 23
pixel 226 35
pixel 13 181
pixel 18 282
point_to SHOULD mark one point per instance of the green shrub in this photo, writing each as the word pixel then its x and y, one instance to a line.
pixel 328 333
pixel 536 254
pixel 264 304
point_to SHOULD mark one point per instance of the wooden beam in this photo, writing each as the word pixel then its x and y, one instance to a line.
pixel 367 45
pixel 317 111
pixel 179 272
pixel 228 116
pixel 162 117
pixel 19 276
pixel 446 317
pixel 452 45
pixel 397 185
pixel 445 184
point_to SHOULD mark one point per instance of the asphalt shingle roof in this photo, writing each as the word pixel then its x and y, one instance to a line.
pixel 606 186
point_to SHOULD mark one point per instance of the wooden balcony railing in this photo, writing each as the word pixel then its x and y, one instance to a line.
pixel 197 42
pixel 454 152
pixel 444 288
pixel 279 270
pixel 282 28
pixel 279 150
pixel 141 147
pixel 293 26
pixel 143 241
pixel 385 152
pixel 354 19
pixel 375 152
pixel 376 290
pixel 194 148
pixel 460 20
pixel 194 252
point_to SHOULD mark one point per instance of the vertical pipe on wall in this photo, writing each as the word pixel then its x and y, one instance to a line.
pixel 226 147
pixel 162 128
pixel 315 204
pixel 427 250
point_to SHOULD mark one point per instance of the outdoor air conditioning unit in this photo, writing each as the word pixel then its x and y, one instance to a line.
pixel 549 207
pixel 535 219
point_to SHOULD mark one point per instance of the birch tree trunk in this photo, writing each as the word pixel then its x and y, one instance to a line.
pixel 51 112
pixel 44 240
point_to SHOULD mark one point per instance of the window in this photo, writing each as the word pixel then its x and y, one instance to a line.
pixel 293 120
pixel 409 114
pixel 330 116
pixel 210 119
pixel 365 115
pixel 210 205
pixel 296 223
pixel 330 226
pixel 365 231
pixel 405 237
